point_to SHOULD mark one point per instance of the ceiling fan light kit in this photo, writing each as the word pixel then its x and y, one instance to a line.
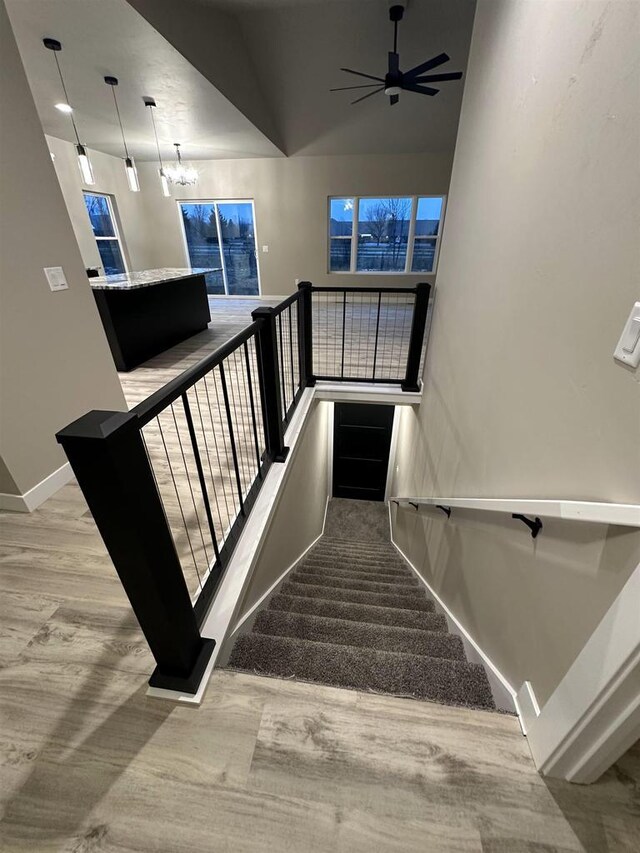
pixel 396 81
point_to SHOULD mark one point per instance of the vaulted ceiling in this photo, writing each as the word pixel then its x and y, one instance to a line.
pixel 243 78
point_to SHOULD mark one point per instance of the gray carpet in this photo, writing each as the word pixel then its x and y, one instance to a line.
pixel 352 614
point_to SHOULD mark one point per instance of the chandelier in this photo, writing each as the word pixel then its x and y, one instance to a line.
pixel 180 174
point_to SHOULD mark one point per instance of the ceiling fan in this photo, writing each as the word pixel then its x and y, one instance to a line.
pixel 395 80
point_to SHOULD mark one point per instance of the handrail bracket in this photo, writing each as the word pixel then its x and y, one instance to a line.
pixel 534 526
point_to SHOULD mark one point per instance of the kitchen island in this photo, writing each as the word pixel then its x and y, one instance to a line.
pixel 145 313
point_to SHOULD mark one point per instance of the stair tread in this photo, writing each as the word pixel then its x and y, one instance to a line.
pixel 362 634
pixel 417 601
pixel 372 565
pixel 363 584
pixel 362 573
pixel 451 681
pixel 407 618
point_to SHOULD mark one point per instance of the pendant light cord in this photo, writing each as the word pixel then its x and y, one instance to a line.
pixel 155 133
pixel 124 141
pixel 66 96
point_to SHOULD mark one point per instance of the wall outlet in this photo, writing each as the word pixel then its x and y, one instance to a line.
pixel 56 278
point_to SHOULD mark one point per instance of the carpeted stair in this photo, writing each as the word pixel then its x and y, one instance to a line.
pixel 352 614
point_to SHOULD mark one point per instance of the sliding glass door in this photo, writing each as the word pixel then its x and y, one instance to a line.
pixel 221 235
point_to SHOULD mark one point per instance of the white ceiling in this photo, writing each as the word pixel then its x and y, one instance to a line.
pixel 102 37
pixel 274 60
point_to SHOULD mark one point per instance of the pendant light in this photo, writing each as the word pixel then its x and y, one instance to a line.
pixel 164 183
pixel 129 166
pixel 181 174
pixel 84 163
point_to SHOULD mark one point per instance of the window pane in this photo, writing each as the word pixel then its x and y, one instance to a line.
pixel 202 242
pixel 239 247
pixel 341 217
pixel 428 217
pixel 340 260
pixel 383 229
pixel 100 215
pixel 111 257
pixel 424 252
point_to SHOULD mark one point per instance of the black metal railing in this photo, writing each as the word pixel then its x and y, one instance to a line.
pixel 287 335
pixel 171 483
pixel 205 440
pixel 368 334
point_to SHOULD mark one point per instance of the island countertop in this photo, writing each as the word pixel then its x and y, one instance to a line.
pixel 146 278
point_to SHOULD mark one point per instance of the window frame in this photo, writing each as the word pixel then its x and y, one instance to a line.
pixel 111 204
pixel 216 202
pixel 411 236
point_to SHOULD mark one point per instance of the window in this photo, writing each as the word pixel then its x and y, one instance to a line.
pixel 100 210
pixel 221 235
pixel 392 234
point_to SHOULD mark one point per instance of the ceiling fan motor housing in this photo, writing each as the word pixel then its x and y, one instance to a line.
pixel 393 84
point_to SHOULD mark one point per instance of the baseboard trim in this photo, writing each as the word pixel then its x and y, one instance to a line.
pixel 266 595
pixel 459 626
pixel 593 715
pixel 39 493
pixel 527 705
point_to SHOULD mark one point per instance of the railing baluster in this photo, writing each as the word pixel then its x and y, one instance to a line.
pixel 232 440
pixel 293 387
pixel 344 319
pixel 253 410
pixel 199 469
pixel 283 386
pixel 375 346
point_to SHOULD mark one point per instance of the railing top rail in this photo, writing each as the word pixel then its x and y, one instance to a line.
pixel 363 289
pixel 626 515
pixel 163 397
pixel 282 306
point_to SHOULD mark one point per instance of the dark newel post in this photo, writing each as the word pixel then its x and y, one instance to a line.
pixel 305 335
pixel 416 339
pixel 270 396
pixel 109 459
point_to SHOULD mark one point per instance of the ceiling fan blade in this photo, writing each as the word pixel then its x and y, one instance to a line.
pixel 438 78
pixel 360 74
pixel 394 99
pixel 394 62
pixel 422 90
pixel 440 59
pixel 364 86
pixel 368 95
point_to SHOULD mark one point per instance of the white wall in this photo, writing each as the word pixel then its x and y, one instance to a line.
pixel 290 197
pixel 110 179
pixel 299 516
pixel 538 271
pixel 55 364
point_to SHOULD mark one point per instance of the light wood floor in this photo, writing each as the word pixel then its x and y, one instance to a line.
pixel 89 763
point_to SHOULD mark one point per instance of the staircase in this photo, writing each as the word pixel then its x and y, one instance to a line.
pixel 352 614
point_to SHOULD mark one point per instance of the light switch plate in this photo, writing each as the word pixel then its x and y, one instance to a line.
pixel 628 349
pixel 265 248
pixel 56 278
